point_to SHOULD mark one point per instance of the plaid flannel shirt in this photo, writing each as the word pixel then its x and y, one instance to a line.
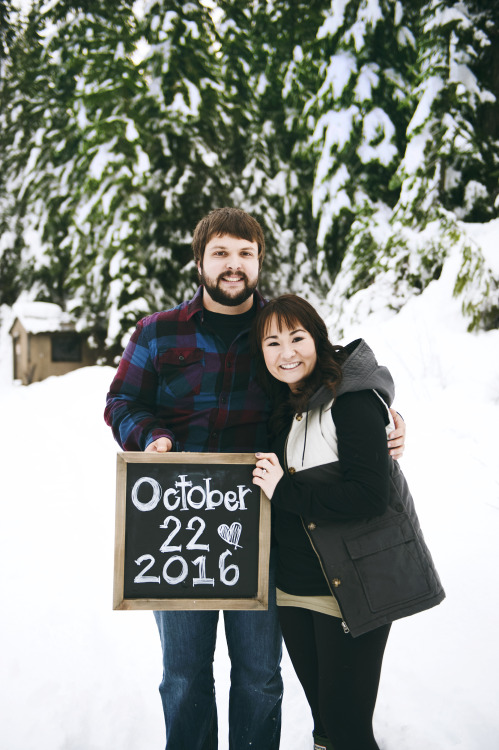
pixel 177 379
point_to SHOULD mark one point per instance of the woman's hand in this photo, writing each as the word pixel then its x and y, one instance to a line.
pixel 267 472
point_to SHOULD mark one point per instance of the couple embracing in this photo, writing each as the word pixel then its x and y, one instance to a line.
pixel 348 556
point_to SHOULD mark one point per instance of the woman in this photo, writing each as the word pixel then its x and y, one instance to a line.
pixel 352 557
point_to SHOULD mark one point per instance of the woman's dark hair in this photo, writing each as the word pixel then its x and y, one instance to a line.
pixel 291 311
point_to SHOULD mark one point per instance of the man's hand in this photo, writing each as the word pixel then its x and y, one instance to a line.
pixel 396 438
pixel 161 445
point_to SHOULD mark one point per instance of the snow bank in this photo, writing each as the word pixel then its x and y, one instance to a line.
pixel 78 676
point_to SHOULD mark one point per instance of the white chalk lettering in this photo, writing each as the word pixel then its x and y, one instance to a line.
pixel 141 577
pixel 200 503
pixel 242 493
pixel 183 484
pixel 224 570
pixel 201 563
pixel 210 503
pixel 230 500
pixel 229 575
pixel 166 546
pixel 181 576
pixel 193 544
pixel 171 491
pixel 156 494
pixel 196 497
pixel 172 563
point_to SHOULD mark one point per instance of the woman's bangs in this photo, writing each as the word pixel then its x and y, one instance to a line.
pixel 283 319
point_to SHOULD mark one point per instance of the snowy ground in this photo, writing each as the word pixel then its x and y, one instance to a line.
pixel 78 676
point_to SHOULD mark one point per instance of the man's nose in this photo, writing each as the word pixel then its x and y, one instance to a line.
pixel 233 262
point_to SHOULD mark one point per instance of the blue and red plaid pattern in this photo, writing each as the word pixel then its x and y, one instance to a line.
pixel 177 379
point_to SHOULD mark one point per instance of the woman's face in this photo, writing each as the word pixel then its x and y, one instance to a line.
pixel 289 354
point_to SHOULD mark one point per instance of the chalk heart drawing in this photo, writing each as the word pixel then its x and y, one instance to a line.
pixel 230 535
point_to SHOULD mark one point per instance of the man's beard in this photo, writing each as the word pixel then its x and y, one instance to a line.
pixel 219 295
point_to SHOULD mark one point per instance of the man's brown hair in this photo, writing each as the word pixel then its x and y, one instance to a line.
pixel 232 221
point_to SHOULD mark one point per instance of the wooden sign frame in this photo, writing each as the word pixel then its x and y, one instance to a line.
pixel 120 602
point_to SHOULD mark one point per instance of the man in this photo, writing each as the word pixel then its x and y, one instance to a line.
pixel 186 382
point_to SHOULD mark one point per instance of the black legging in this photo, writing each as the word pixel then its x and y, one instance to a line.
pixel 339 674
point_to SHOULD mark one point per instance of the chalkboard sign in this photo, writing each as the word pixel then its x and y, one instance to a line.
pixel 192 532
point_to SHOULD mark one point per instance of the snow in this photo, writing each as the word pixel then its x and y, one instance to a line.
pixel 374 123
pixel 339 71
pixel 367 80
pixel 334 19
pixel 104 154
pixel 487 237
pixel 429 91
pixel 41 317
pixel 330 197
pixel 77 675
pixel 131 132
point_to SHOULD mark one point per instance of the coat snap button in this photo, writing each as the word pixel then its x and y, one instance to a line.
pixel 311 526
pixel 292 470
pixel 336 582
pixel 399 507
pixel 299 417
pixel 181 357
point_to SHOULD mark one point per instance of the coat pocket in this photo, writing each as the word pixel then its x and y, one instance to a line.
pixel 389 564
pixel 181 371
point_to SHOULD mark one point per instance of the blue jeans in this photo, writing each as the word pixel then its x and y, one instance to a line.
pixel 188 690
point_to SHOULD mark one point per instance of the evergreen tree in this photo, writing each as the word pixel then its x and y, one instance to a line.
pixel 358 114
pixel 359 133
pixel 8 286
pixel 78 167
pixel 254 173
pixel 259 43
pixel 18 55
pixel 92 181
pixel 451 161
pixel 394 248
pixel 450 167
pixel 183 136
pixel 42 137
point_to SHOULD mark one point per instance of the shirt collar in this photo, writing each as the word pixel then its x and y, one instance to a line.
pixel 195 305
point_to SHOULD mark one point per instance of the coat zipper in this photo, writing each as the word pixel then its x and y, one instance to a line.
pixel 344 625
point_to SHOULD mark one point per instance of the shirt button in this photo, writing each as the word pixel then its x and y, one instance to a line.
pixel 299 417
pixel 223 400
pixel 291 470
pixel 214 434
pixel 181 357
pixel 311 526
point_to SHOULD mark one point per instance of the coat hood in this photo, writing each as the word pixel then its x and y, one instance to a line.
pixel 361 372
